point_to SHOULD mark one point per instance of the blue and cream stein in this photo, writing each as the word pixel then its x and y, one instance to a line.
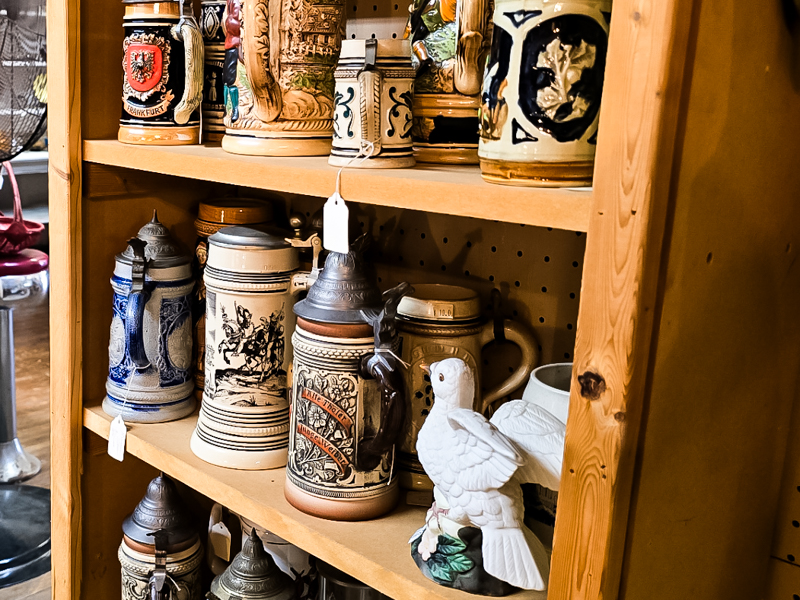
pixel 150 349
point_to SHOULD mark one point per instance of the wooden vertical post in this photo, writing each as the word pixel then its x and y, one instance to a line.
pixel 638 124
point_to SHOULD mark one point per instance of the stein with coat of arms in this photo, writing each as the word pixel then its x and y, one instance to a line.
pixel 163 74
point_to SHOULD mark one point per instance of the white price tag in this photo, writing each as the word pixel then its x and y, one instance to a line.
pixel 335 218
pixel 116 438
pixel 220 539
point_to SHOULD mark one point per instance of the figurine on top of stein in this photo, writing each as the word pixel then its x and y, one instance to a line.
pixel 278 76
pixel 162 73
pixel 450 41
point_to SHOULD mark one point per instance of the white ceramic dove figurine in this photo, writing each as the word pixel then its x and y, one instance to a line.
pixel 478 466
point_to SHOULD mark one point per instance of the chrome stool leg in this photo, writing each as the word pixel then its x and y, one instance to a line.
pixel 15 463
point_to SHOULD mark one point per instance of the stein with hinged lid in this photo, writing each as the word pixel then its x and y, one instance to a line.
pixel 162 63
pixel 347 394
pixel 160 553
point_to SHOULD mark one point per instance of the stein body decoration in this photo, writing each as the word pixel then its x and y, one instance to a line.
pixel 150 348
pixel 542 87
pixel 450 41
pixel 477 467
pixel 160 553
pixel 374 91
pixel 347 395
pixel 213 107
pixel 278 76
pixel 436 322
pixel 252 280
pixel 162 64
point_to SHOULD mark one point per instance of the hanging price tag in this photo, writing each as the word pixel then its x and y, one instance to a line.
pixel 335 218
pixel 220 539
pixel 116 438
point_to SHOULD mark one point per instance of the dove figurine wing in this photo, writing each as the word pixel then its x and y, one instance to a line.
pixel 539 437
pixel 483 459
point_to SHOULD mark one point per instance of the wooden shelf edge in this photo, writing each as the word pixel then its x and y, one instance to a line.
pixel 452 190
pixel 386 567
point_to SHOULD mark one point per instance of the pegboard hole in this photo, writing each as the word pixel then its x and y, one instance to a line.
pixel 394 36
pixel 795 597
pixel 546 259
pixel 572 295
pixel 541 319
pixel 544 290
pixel 519 253
pixel 795 523
pixel 515 313
pixel 516 283
pixel 491 277
pixel 574 263
pixel 396 6
pixel 444 240
pixel 569 326
pixel 444 267
pixel 494 248
pixel 469 244
pixel 549 229
pixel 374 7
pixel 380 280
pixel 355 8
pixel 422 235
pixel 402 232
pixel 353 36
pixel 373 35
pixel 790 557
pixel 466 273
pixel 709 257
pixel 566 354
pixel 579 233
pixel 422 263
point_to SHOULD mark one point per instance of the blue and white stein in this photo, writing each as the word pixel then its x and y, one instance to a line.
pixel 150 349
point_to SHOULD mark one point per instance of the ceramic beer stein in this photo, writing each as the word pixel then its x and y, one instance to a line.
pixel 436 322
pixel 213 108
pixel 374 89
pixel 541 92
pixel 251 280
pixel 347 395
pixel 278 76
pixel 212 216
pixel 163 73
pixel 160 553
pixel 253 575
pixel 451 40
pixel 150 348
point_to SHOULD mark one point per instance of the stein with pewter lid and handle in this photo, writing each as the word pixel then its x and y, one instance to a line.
pixel 347 394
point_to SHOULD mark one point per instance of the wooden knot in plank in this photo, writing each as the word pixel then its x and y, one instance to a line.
pixel 592 385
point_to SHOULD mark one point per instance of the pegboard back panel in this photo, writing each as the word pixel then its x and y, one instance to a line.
pixel 379 19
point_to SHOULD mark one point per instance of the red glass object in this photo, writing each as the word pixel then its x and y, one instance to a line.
pixel 16 234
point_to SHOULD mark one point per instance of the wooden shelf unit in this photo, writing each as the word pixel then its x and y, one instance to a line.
pixel 688 338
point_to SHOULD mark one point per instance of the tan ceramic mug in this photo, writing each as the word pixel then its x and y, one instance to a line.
pixel 444 321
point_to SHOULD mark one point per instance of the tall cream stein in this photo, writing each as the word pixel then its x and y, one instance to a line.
pixel 278 76
pixel 374 91
pixel 436 322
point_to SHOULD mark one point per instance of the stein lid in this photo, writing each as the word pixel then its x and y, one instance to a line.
pixel 235 211
pixel 342 290
pixel 161 250
pixel 253 575
pixel 160 509
pixel 239 237
pixel 437 302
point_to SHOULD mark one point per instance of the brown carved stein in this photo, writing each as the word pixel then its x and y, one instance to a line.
pixel 163 74
pixel 278 76
pixel 347 395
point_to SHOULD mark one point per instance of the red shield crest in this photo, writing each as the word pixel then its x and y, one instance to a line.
pixel 143 65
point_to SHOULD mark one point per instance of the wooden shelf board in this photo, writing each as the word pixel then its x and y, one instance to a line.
pixel 376 552
pixel 454 190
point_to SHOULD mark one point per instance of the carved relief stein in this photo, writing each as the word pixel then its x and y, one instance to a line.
pixel 450 40
pixel 163 74
pixel 160 553
pixel 150 349
pixel 251 280
pixel 541 93
pixel 212 216
pixel 347 395
pixel 436 322
pixel 211 19
pixel 374 91
pixel 278 76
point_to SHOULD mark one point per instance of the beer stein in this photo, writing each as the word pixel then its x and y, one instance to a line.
pixel 436 322
pixel 253 575
pixel 150 347
pixel 540 102
pixel 212 216
pixel 278 76
pixel 374 88
pixel 213 107
pixel 160 553
pixel 450 41
pixel 347 395
pixel 163 74
pixel 251 280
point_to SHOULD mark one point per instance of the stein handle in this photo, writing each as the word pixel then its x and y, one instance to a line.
pixel 137 299
pixel 468 70
pixel 370 82
pixel 519 335
pixel 188 31
pixel 257 40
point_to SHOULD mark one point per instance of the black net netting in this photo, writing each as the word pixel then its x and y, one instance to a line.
pixel 23 77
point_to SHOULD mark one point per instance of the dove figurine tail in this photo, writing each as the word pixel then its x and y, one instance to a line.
pixel 516 556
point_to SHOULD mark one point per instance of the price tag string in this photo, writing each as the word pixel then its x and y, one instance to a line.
pixel 335 214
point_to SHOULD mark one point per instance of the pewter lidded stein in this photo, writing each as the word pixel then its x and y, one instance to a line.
pixel 150 348
pixel 160 553
pixel 252 281
pixel 253 575
pixel 347 394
